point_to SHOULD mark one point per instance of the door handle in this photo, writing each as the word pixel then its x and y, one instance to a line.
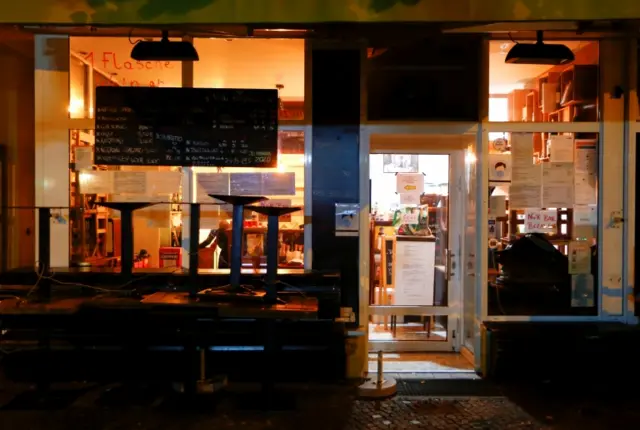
pixel 449 262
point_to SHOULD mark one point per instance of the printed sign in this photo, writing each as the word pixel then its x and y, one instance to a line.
pixel 410 183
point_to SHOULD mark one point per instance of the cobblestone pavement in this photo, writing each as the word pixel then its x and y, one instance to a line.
pixel 123 407
pixel 327 408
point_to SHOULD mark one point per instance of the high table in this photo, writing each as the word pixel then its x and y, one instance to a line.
pixel 273 228
pixel 238 202
pixel 126 231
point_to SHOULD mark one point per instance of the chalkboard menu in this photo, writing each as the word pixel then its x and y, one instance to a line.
pixel 388 249
pixel 186 127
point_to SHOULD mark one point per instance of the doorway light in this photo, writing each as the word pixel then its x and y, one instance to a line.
pixel 470 158
pixel 76 106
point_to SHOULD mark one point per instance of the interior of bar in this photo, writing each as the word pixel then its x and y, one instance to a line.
pixel 158 229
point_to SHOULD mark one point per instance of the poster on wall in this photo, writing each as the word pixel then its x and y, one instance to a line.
pixel 400 163
pixel 499 167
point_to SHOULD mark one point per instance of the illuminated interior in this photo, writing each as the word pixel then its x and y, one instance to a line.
pixel 224 63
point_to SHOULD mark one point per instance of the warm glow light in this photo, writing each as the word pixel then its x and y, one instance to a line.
pixel 470 158
pixel 85 179
pixel 282 167
pixel 75 106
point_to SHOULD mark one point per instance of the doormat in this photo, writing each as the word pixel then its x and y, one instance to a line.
pixel 447 387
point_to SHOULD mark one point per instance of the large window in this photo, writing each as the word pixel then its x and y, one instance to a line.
pixel 232 63
pixel 543 187
pixel 543 93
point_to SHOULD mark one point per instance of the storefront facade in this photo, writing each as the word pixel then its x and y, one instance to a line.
pixel 335 128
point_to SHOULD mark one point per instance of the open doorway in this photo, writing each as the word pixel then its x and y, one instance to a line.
pixel 416 236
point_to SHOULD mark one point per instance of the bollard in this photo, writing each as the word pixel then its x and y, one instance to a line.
pixel 380 371
pixel 202 366
pixel 378 387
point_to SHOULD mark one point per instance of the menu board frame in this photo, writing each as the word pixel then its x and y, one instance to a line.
pixel 189 127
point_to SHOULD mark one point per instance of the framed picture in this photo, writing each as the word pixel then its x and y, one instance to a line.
pixel 400 163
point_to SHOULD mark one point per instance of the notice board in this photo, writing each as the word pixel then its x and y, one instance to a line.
pixel 140 126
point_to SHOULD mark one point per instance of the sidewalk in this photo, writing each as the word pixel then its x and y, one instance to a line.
pixel 316 407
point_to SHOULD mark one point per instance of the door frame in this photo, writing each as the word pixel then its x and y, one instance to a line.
pixel 460 135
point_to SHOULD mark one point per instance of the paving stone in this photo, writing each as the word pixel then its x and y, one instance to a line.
pixel 326 409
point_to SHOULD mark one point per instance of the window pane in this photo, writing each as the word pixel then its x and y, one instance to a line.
pixel 95 230
pixel 284 186
pixel 543 225
pixel 255 64
pixel 544 93
pixel 108 61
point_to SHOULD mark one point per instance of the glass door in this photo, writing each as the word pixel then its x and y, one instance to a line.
pixel 416 227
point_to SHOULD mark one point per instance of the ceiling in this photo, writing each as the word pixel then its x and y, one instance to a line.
pixel 504 78
pixel 259 63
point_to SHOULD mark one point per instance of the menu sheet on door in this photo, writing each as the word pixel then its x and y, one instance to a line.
pixel 526 178
pixel 414 273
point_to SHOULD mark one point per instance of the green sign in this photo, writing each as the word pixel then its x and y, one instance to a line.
pixel 309 11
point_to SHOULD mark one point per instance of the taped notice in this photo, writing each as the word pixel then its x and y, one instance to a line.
pixel 540 221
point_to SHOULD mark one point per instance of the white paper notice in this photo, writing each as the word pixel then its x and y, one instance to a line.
pixel 279 184
pixel 521 151
pixel 585 186
pixel 557 185
pixel 499 167
pixel 84 157
pixel 526 178
pixel 409 198
pixel 246 184
pixel 579 257
pixel 524 196
pixel 497 206
pixel 540 221
pixel 130 182
pixel 585 179
pixel 276 203
pixel 136 198
pixel 525 190
pixel 414 273
pixel 585 215
pixel 213 183
pixel 582 291
pixel 96 182
pixel 586 158
pixel 410 218
pixel 561 149
pixel 163 183
pixel 410 183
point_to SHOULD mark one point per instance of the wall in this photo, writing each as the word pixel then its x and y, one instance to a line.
pixel 17 140
pixel 335 86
